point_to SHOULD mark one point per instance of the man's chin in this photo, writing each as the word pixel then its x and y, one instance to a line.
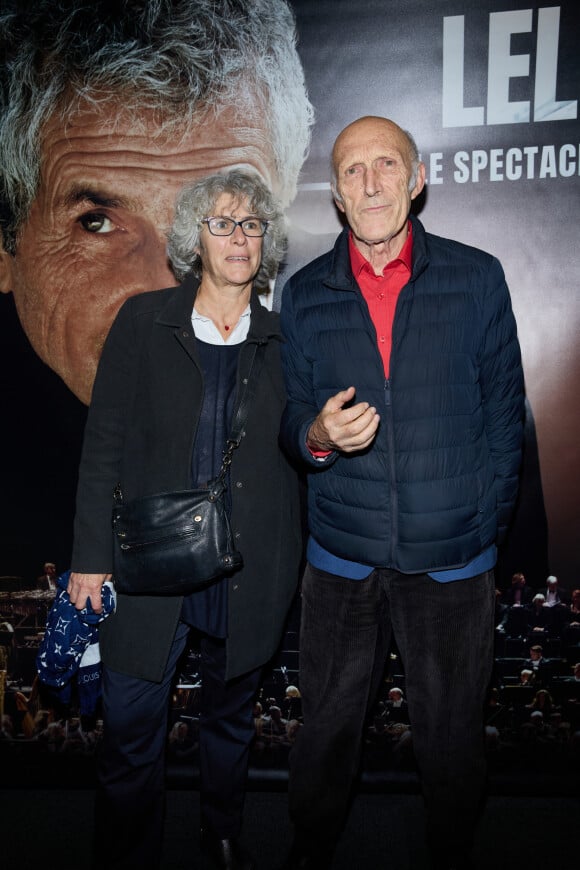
pixel 374 233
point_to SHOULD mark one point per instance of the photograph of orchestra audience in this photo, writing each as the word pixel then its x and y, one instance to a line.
pixel 532 716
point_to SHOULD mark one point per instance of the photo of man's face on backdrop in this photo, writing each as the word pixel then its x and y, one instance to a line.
pixel 96 231
pixel 117 140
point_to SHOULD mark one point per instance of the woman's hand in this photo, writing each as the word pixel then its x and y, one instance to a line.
pixel 83 586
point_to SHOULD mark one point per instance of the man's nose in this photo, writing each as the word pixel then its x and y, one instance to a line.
pixel 372 182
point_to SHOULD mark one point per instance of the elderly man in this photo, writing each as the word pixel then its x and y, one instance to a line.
pixel 555 595
pixel 405 406
pixel 105 115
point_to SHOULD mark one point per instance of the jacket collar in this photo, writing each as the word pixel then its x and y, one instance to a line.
pixel 420 247
pixel 177 311
pixel 340 275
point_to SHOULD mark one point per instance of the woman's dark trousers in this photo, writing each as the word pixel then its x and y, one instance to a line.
pixel 131 761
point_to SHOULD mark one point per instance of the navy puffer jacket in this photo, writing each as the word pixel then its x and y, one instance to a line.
pixel 439 482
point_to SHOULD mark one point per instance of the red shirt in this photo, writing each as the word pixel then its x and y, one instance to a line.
pixel 381 292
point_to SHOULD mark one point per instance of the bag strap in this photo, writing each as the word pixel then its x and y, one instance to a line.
pixel 241 413
pixel 238 423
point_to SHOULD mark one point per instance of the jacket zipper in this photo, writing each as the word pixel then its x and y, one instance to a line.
pixel 390 461
pixel 392 476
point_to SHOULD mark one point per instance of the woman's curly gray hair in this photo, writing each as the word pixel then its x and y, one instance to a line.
pixel 197 201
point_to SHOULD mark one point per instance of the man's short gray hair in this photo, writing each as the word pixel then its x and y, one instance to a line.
pixel 197 201
pixel 184 59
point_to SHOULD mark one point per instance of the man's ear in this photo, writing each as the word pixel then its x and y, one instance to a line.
pixel 6 267
pixel 336 196
pixel 420 182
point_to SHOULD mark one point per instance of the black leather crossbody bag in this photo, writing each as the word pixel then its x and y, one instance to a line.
pixel 173 543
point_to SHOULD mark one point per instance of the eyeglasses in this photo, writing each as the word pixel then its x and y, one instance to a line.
pixel 225 226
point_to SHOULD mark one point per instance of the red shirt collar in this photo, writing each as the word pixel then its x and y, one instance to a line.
pixel 358 262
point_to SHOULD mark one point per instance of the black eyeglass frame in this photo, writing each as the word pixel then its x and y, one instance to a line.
pixel 234 223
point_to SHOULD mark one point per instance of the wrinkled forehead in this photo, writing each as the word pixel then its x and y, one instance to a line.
pixel 108 135
pixel 116 113
pixel 369 138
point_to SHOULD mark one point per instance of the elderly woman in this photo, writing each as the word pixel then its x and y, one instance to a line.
pixel 166 389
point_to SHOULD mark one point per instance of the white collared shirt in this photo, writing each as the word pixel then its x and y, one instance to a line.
pixel 206 330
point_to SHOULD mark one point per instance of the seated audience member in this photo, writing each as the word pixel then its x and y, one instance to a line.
pixel 557 620
pixel 515 621
pixel 544 722
pixel 518 594
pixel 514 603
pixel 396 707
pixel 269 702
pixel 292 704
pixel 543 701
pixel 274 726
pixel 533 727
pixel 47 580
pixel 571 630
pixel 537 615
pixel 273 739
pixel 75 741
pixel 516 692
pixel 257 716
pixel 554 592
pixel 574 609
pixel 556 607
pixel 539 665
pixel 526 677
pixel 53 736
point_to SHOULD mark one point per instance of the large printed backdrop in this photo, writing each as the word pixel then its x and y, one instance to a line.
pixel 490 92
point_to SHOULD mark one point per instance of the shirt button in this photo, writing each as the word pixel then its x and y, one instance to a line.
pixel 239 484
